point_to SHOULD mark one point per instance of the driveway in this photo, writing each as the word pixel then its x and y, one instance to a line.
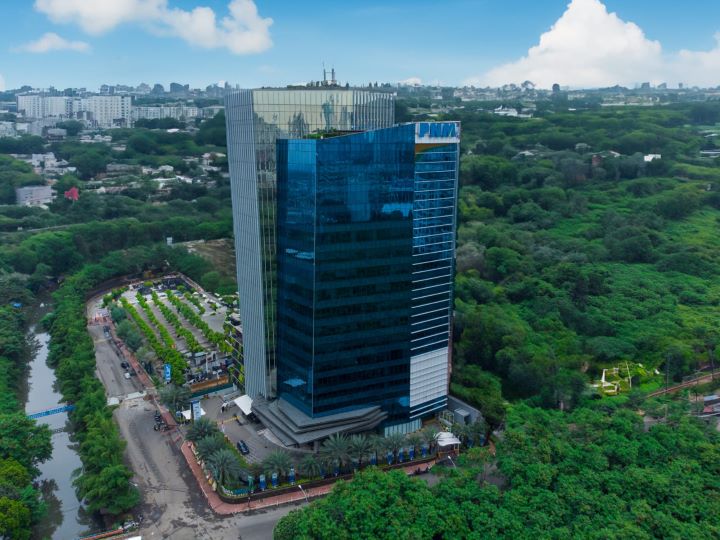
pixel 173 505
pixel 107 362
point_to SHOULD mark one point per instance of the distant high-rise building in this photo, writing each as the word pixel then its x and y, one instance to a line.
pixel 104 111
pixel 108 111
pixel 345 235
pixel 177 88
pixel 31 105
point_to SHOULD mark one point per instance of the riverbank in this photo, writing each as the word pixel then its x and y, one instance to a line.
pixel 65 517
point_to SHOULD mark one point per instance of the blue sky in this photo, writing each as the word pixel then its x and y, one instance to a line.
pixel 449 41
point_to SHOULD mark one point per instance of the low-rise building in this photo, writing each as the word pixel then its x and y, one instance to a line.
pixel 119 169
pixel 34 195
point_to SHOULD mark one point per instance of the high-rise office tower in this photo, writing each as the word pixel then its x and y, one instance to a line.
pixel 256 119
pixel 345 238
pixel 366 245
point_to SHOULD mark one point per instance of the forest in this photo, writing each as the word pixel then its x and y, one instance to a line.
pixel 585 474
pixel 575 253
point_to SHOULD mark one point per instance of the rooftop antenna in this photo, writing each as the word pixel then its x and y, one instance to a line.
pixel 324 75
pixel 332 77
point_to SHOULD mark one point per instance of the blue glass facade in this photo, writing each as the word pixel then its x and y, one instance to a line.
pixel 434 224
pixel 256 119
pixel 365 229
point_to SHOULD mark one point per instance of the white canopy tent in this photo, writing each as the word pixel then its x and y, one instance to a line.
pixel 187 415
pixel 445 439
pixel 244 403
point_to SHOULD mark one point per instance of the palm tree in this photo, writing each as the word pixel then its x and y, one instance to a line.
pixel 414 440
pixel 460 431
pixel 395 442
pixel 174 397
pixel 209 445
pixel 378 446
pixel 429 434
pixel 310 466
pixel 202 428
pixel 359 448
pixel 335 449
pixel 278 462
pixel 224 467
pixel 256 469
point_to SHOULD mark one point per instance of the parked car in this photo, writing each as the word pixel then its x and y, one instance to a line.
pixel 124 365
pixel 243 448
pixel 127 375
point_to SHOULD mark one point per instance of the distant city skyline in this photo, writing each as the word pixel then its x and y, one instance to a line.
pixel 584 43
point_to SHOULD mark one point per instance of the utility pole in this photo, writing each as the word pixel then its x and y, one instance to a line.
pixel 304 493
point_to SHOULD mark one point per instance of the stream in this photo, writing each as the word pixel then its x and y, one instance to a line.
pixel 65 518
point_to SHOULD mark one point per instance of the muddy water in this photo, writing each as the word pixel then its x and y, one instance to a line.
pixel 65 519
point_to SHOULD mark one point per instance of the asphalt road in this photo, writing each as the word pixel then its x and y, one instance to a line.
pixel 108 366
pixel 173 505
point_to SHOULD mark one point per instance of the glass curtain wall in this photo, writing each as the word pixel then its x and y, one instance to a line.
pixel 256 119
pixel 345 253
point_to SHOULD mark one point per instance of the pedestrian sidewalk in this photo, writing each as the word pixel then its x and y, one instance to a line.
pixel 223 508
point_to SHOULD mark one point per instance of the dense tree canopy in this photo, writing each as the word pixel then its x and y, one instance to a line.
pixel 582 475
pixel 575 253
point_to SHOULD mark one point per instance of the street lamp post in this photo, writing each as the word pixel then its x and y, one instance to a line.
pixel 451 461
pixel 304 493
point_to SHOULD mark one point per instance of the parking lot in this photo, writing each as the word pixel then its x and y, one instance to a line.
pixel 259 445
pixel 209 361
pixel 108 366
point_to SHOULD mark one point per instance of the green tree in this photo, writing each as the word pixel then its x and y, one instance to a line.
pixel 211 281
pixel 414 440
pixel 14 519
pixel 483 390
pixel 395 442
pixel 24 441
pixel 488 172
pixel 277 462
pixel 108 490
pixel 225 467
pixel 175 398
pixel 310 466
pixel 117 314
pixel 201 428
pixel 335 449
pixel 359 446
pixel 73 127
pixel 209 445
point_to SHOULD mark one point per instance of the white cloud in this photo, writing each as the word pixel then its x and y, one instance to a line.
pixel 701 68
pixel 411 81
pixel 242 31
pixel 586 47
pixel 98 16
pixel 589 47
pixel 52 42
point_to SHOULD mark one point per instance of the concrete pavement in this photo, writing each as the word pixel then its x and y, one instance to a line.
pixel 172 504
pixel 108 369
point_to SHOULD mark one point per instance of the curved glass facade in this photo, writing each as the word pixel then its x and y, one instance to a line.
pixel 366 234
pixel 256 119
